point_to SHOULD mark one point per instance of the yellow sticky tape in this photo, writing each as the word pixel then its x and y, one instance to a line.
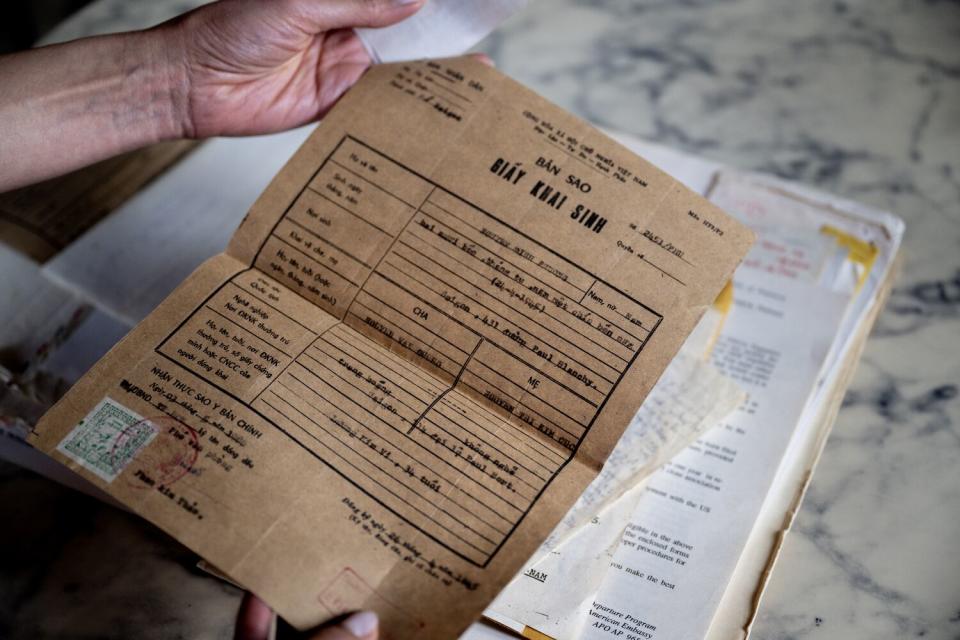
pixel 533 634
pixel 724 301
pixel 859 251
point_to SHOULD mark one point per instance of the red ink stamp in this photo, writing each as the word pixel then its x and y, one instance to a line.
pixel 171 454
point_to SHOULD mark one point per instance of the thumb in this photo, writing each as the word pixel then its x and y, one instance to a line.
pixel 359 626
pixel 253 620
pixel 342 14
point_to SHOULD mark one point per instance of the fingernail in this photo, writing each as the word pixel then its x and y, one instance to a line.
pixel 361 624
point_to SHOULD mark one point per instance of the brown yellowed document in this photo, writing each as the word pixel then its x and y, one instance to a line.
pixel 42 219
pixel 420 347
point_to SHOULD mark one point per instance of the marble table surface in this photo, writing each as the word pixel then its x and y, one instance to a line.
pixel 857 97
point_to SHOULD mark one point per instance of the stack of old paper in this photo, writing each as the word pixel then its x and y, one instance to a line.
pixel 686 553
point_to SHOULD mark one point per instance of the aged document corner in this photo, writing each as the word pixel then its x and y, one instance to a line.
pixel 422 343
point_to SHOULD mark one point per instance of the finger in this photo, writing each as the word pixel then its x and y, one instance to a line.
pixel 342 14
pixel 253 619
pixel 362 625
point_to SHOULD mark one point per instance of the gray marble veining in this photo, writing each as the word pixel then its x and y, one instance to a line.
pixel 857 97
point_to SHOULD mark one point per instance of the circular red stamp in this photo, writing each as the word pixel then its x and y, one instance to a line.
pixel 164 448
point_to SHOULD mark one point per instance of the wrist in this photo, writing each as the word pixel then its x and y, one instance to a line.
pixel 157 81
pixel 69 105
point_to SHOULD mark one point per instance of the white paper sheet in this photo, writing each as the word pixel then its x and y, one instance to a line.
pixel 691 522
pixel 772 200
pixel 690 397
pixel 689 530
pixel 442 28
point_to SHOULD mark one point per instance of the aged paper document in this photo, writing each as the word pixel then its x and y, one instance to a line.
pixel 421 345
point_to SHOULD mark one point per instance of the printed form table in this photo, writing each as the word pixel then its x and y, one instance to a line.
pixel 458 363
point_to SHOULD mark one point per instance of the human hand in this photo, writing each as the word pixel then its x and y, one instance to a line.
pixel 245 67
pixel 233 67
pixel 255 619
